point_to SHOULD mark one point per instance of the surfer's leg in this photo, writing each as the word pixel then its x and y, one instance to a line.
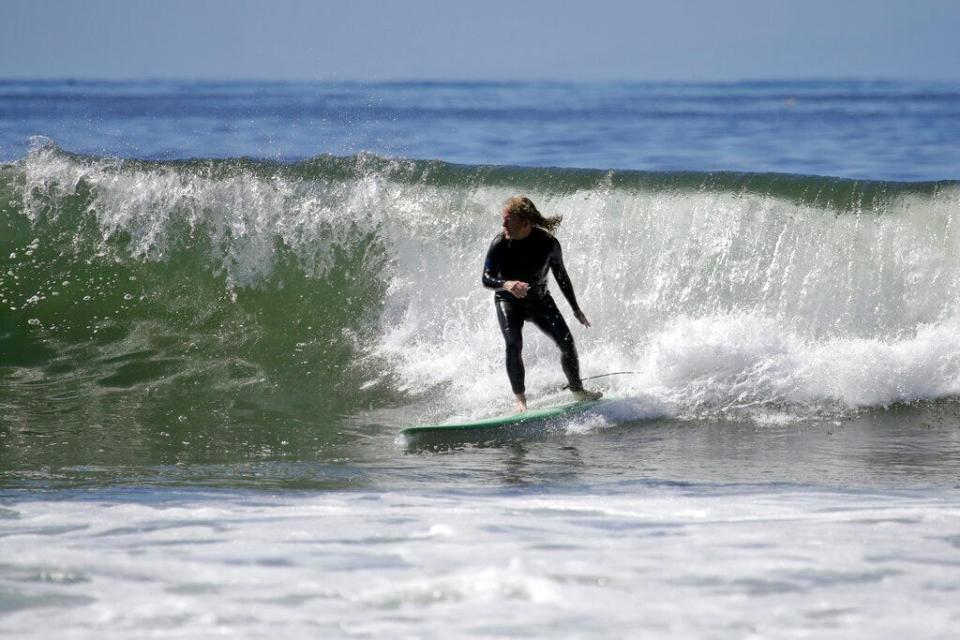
pixel 548 319
pixel 510 317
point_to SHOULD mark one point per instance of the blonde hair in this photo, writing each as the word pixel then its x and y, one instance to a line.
pixel 523 207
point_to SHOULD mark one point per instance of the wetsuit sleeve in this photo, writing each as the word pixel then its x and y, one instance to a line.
pixel 491 267
pixel 560 274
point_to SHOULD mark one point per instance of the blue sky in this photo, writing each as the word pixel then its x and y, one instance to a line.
pixel 492 39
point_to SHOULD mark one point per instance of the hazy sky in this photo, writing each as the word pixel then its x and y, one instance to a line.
pixel 489 39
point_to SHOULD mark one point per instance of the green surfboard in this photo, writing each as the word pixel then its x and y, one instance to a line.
pixel 530 422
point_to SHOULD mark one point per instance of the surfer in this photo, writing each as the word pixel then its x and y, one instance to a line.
pixel 516 268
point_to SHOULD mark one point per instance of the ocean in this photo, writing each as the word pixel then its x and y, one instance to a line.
pixel 220 303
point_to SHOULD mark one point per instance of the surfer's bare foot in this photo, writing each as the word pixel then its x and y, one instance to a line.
pixel 521 402
pixel 583 394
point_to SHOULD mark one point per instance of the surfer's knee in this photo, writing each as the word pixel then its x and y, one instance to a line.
pixel 566 344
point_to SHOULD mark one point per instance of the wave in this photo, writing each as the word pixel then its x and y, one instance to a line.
pixel 241 290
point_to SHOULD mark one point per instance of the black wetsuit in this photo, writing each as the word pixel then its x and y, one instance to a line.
pixel 529 260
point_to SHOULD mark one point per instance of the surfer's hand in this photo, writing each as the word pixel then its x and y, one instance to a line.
pixel 517 288
pixel 581 316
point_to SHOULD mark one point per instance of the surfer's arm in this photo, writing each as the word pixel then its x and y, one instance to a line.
pixel 563 280
pixel 491 275
pixel 491 269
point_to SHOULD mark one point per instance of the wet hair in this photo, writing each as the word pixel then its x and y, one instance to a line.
pixel 523 207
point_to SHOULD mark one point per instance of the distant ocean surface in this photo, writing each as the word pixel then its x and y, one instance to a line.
pixel 220 302
pixel 870 130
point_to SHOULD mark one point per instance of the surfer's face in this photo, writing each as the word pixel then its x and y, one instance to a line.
pixel 515 227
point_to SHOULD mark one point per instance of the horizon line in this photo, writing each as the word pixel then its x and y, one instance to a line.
pixel 501 81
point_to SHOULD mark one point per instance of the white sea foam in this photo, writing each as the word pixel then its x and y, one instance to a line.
pixel 716 303
pixel 639 560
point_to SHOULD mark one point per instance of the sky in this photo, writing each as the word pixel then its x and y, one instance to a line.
pixel 595 40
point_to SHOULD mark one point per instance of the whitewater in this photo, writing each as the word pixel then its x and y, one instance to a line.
pixel 719 293
pixel 205 363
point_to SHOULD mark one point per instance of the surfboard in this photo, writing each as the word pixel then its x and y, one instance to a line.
pixel 499 427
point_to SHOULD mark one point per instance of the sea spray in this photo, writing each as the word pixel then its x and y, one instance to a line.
pixel 215 297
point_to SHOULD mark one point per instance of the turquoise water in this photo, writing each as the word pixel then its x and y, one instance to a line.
pixel 219 303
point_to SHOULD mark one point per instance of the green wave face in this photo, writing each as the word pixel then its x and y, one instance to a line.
pixel 168 325
pixel 211 311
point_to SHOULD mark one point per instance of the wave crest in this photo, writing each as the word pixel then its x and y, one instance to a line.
pixel 726 291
